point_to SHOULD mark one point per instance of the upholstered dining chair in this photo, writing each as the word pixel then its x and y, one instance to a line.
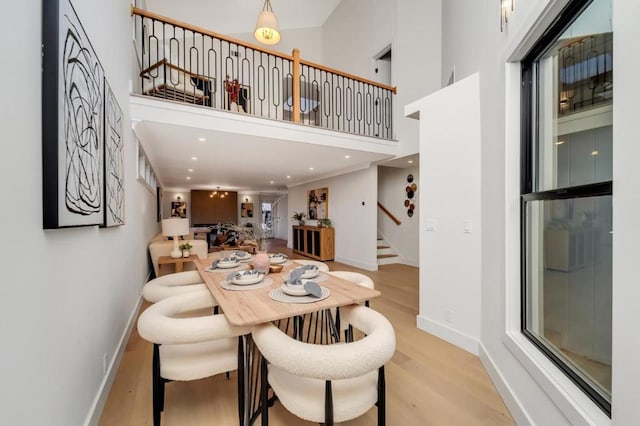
pixel 190 348
pixel 327 383
pixel 169 285
pixel 322 267
pixel 358 279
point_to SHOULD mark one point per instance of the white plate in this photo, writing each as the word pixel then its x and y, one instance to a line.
pixel 294 290
pixel 251 279
pixel 226 265
pixel 277 260
pixel 246 257
pixel 310 274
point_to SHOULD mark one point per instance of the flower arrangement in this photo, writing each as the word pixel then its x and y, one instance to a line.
pixel 185 246
pixel 299 216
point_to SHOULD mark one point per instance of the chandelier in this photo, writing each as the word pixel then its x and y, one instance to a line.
pixel 218 193
pixel 267 31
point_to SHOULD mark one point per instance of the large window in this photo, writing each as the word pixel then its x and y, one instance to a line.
pixel 566 197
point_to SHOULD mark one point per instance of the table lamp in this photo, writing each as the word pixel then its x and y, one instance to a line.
pixel 175 228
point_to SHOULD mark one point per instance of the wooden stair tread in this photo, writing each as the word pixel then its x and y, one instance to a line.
pixel 384 256
pixel 383 247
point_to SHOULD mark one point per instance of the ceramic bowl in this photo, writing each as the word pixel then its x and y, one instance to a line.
pixel 294 290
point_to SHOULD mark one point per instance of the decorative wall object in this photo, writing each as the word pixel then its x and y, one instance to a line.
pixel 179 209
pixel 318 203
pixel 410 189
pixel 113 160
pixel 72 121
pixel 246 210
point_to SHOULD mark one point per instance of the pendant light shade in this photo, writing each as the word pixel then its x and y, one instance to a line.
pixel 267 31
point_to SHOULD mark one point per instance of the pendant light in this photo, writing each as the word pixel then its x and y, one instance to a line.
pixel 267 31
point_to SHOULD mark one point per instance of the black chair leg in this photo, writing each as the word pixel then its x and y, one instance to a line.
pixel 328 403
pixel 264 392
pixel 382 412
pixel 241 379
pixel 158 386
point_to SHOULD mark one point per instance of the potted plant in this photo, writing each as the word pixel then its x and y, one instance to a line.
pixel 185 249
pixel 324 223
pixel 299 216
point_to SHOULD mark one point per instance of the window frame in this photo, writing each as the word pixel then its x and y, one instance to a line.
pixel 529 105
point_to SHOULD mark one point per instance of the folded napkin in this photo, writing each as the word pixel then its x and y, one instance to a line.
pixel 294 276
pixel 240 253
pixel 309 267
pixel 250 272
pixel 313 289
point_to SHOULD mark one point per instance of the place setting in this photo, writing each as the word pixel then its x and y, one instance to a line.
pixel 308 272
pixel 279 259
pixel 296 289
pixel 230 263
pixel 242 256
pixel 250 279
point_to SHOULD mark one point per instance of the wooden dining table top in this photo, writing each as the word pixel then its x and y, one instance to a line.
pixel 251 307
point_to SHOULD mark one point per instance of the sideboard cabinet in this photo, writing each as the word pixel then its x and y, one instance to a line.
pixel 314 242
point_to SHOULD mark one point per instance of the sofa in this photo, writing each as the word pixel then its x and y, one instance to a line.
pixel 161 246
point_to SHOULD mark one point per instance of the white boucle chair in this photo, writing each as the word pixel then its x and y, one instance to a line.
pixel 169 285
pixel 322 267
pixel 187 348
pixel 356 278
pixel 349 378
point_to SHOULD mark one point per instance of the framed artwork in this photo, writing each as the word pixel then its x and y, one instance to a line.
pixel 246 210
pixel 72 121
pixel 179 209
pixel 113 160
pixel 318 203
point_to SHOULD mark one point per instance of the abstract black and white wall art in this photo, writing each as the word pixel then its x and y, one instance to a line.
pixel 113 160
pixel 72 121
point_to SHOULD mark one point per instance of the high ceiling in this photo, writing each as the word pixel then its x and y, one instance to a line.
pixel 239 16
pixel 242 162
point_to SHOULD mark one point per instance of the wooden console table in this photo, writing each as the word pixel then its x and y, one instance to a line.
pixel 178 262
pixel 314 242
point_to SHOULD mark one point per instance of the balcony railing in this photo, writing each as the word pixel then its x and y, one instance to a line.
pixel 185 63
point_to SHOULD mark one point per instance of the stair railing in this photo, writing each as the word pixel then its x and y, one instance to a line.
pixel 186 63
pixel 388 213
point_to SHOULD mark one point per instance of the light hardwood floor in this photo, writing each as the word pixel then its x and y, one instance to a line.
pixel 429 381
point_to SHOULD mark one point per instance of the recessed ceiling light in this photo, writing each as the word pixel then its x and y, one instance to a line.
pixel 311 168
pixel 288 177
pixel 202 139
pixel 595 152
pixel 271 182
pixel 559 142
pixel 194 158
pixel 347 156
pixel 410 161
pixel 188 177
pixel 190 170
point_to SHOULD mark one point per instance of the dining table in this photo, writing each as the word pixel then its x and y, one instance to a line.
pixel 247 307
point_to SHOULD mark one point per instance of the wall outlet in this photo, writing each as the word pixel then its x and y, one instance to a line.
pixel 105 358
pixel 448 316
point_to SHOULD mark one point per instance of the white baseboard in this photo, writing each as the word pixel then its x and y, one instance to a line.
pixel 409 262
pixel 358 264
pixel 515 407
pixel 93 418
pixel 448 334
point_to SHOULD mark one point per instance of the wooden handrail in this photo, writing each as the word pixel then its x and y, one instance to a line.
pixel 347 75
pixel 391 216
pixel 195 28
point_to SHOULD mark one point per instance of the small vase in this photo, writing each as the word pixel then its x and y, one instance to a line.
pixel 185 253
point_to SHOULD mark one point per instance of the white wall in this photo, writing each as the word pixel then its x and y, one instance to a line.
pixel 354 223
pixel 535 391
pixel 67 294
pixel 450 213
pixel 403 238
pixel 358 30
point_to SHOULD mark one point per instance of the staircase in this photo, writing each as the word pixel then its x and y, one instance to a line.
pixel 386 254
